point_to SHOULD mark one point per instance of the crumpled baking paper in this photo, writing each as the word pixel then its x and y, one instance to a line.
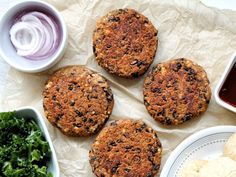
pixel 185 29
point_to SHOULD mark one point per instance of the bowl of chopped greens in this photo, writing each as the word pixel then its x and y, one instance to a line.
pixel 26 148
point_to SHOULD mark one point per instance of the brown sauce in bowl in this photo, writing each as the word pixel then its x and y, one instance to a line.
pixel 228 90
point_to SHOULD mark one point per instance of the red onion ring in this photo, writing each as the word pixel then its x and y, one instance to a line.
pixel 35 36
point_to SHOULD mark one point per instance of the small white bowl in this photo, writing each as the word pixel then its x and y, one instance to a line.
pixel 220 84
pixel 31 113
pixel 7 50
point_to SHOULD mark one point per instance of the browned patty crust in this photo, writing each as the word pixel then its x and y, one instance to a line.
pixel 176 91
pixel 125 43
pixel 126 148
pixel 77 100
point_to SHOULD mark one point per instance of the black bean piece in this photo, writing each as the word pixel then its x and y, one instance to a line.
pixel 186 68
pixel 145 21
pixel 156 90
pixel 153 150
pixel 59 105
pixel 127 170
pixel 140 63
pixel 77 125
pixel 177 67
pixel 54 97
pixel 70 87
pixel 122 11
pixel 119 141
pixel 150 158
pixel 164 98
pixel 113 19
pixel 58 117
pixel 72 103
pixel 109 95
pixel 191 72
pixel 92 159
pixel 109 46
pixel 113 170
pixel 138 150
pixel 57 88
pixel 90 120
pixel 168 85
pixel 80 114
pixel 187 116
pixel 94 49
pixel 128 147
pixel 149 174
pixel 112 143
pixel 191 78
pixel 114 123
pixel 84 119
pixel 156 166
pixel 143 126
pixel 168 121
pixel 199 106
pixel 175 114
pixel 161 113
pixel 98 41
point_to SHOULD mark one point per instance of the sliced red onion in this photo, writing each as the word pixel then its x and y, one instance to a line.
pixel 35 36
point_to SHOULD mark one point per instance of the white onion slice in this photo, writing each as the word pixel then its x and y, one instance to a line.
pixel 35 36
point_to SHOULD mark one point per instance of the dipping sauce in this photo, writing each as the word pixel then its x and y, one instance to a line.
pixel 228 89
pixel 35 35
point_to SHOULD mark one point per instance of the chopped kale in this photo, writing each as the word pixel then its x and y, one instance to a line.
pixel 23 148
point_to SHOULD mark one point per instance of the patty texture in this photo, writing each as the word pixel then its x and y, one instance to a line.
pixel 77 100
pixel 125 43
pixel 126 148
pixel 176 91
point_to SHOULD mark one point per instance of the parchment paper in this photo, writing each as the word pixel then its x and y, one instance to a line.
pixel 186 29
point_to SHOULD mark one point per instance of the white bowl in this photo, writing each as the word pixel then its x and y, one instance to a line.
pixel 31 113
pixel 206 144
pixel 7 50
pixel 221 82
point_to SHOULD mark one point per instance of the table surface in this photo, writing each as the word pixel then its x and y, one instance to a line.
pixel 4 4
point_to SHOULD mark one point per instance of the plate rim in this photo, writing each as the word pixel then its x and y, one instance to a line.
pixel 194 137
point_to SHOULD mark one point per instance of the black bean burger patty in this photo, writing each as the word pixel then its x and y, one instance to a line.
pixel 125 43
pixel 176 91
pixel 126 148
pixel 77 100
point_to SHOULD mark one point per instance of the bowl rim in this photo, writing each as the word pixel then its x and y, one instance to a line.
pixel 61 49
pixel 220 83
pixel 44 129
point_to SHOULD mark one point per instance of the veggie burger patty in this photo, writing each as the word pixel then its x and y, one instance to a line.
pixel 176 91
pixel 125 43
pixel 77 100
pixel 126 148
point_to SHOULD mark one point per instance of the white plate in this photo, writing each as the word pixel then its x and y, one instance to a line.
pixel 205 144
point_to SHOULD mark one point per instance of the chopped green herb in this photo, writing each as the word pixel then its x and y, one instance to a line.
pixel 24 151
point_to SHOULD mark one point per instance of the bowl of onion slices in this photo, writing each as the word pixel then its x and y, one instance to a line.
pixel 33 36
